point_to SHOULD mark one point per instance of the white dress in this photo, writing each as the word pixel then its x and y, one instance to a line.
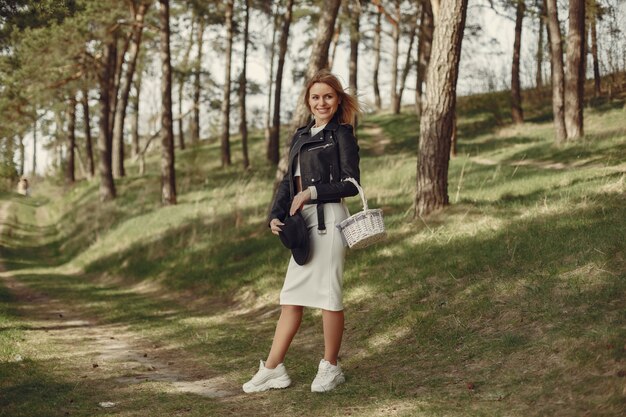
pixel 318 283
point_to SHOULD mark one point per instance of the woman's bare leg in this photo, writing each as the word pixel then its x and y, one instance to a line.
pixel 333 332
pixel 286 329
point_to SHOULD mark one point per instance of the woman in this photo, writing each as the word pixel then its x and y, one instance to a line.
pixel 322 155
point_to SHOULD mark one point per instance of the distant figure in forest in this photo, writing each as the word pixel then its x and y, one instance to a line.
pixel 306 209
pixel 23 187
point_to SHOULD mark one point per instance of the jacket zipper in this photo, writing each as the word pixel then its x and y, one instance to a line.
pixel 319 147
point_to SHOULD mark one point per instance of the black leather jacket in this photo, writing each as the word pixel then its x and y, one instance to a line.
pixel 326 159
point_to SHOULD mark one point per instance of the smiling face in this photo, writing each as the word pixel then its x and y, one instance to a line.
pixel 323 102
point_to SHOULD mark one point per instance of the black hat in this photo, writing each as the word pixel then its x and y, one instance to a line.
pixel 295 236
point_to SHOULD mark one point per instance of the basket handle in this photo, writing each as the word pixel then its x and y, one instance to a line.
pixel 361 192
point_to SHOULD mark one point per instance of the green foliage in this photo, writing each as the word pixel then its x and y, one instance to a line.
pixel 508 299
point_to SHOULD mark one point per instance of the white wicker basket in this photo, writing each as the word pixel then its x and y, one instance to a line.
pixel 365 227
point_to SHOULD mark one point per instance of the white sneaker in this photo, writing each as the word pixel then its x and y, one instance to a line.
pixel 328 377
pixel 266 379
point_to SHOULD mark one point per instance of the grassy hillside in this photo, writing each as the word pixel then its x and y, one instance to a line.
pixel 509 303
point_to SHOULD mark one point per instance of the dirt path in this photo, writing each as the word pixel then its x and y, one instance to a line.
pixel 61 332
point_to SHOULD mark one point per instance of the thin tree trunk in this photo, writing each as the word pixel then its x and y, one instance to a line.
pixel 407 65
pixel 88 140
pixel 34 172
pixel 195 121
pixel 70 175
pixel 243 123
pixel 594 53
pixel 273 148
pixel 556 54
pixel 134 121
pixel 437 122
pixel 181 88
pixel 124 91
pixel 516 90
pixel 225 141
pixel 354 10
pixel 317 61
pixel 539 55
pixel 333 46
pixel 107 186
pixel 116 152
pixel 22 156
pixel 395 52
pixel 377 38
pixel 424 48
pixel 575 70
pixel 168 176
pixel 270 83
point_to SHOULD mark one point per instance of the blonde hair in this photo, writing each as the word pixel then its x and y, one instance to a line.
pixel 349 107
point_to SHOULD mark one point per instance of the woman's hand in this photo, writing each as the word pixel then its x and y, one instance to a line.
pixel 275 226
pixel 299 200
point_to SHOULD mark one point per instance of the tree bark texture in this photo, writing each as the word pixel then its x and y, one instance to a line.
pixel 424 48
pixel 22 155
pixel 124 92
pixel 121 55
pixel 354 10
pixel 183 76
pixel 225 140
pixel 105 139
pixel 243 122
pixel 517 113
pixel 134 121
pixel 597 87
pixel 270 86
pixel 34 171
pixel 70 175
pixel 88 139
pixel 195 121
pixel 273 148
pixel 407 65
pixel 575 70
pixel 168 177
pixel 556 59
pixel 334 42
pixel 437 122
pixel 377 38
pixel 539 54
pixel 395 56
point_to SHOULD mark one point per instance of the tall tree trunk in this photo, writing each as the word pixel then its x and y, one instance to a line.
pixel 407 64
pixel 354 11
pixel 195 121
pixel 334 43
pixel 516 90
pixel 243 122
pixel 377 37
pixel 88 140
pixel 273 148
pixel 70 175
pixel 539 55
pixel 437 123
pixel 424 48
pixel 124 90
pixel 225 141
pixel 594 53
pixel 168 176
pixel 184 74
pixel 107 186
pixel 270 83
pixel 134 121
pixel 556 54
pixel 575 70
pixel 22 155
pixel 34 171
pixel 116 152
pixel 395 55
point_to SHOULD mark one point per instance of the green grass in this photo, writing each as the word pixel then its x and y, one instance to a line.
pixel 516 290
